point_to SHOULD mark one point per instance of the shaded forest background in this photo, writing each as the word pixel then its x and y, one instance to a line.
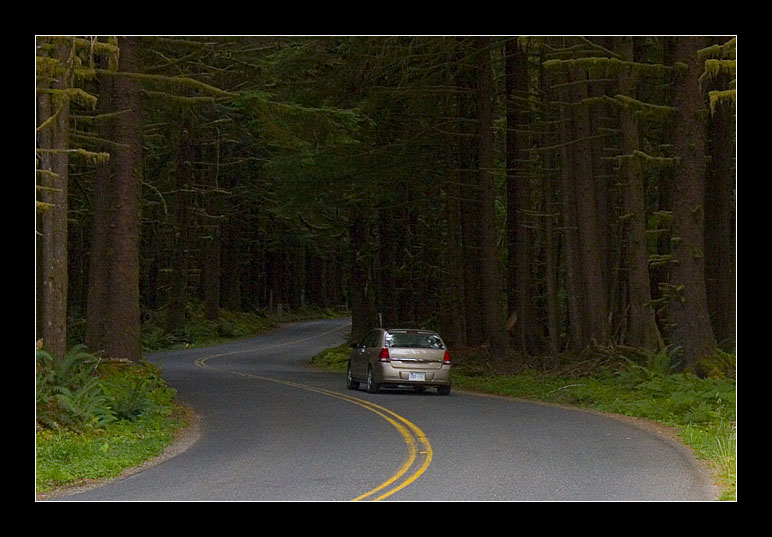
pixel 534 195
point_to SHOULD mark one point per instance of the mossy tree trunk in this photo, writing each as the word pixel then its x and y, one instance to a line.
pixel 574 287
pixel 688 307
pixel 360 285
pixel 590 230
pixel 469 205
pixel 641 327
pixel 115 305
pixel 210 243
pixel 495 332
pixel 720 201
pixel 98 279
pixel 53 109
pixel 176 313
pixel 517 144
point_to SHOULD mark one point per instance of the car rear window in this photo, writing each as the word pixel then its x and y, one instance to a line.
pixel 414 340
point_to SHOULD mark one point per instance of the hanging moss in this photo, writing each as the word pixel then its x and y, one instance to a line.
pixel 664 217
pixel 647 111
pixel 721 96
pixel 91 156
pixel 527 43
pixel 727 50
pixel 720 60
pixel 602 67
pixel 601 99
pixel 713 68
pixel 47 68
pixel 661 162
pixel 660 260
pixel 81 97
pixel 680 68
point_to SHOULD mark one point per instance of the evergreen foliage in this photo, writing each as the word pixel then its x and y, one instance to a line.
pixel 343 170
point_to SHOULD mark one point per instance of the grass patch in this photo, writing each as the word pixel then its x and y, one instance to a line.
pixel 334 359
pixel 143 419
pixel 69 458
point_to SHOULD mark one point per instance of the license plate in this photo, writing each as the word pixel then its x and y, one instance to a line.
pixel 417 376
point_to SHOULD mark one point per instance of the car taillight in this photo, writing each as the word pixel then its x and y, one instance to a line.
pixel 446 358
pixel 384 356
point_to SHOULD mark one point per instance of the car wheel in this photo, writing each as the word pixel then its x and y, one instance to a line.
pixel 443 390
pixel 372 386
pixel 351 384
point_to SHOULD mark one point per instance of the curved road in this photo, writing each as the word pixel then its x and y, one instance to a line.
pixel 272 429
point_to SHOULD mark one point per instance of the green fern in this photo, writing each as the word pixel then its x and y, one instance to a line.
pixel 130 402
pixel 69 395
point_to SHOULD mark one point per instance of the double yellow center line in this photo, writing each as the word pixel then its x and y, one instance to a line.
pixel 419 450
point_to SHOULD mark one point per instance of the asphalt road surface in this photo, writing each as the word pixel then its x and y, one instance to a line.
pixel 274 429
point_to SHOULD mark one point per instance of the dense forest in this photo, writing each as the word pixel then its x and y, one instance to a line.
pixel 533 195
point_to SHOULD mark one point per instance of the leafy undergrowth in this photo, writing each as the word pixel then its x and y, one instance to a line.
pixel 96 419
pixel 334 359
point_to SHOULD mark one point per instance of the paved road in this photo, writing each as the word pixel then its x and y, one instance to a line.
pixel 272 429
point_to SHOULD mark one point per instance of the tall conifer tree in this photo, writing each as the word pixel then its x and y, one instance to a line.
pixel 688 305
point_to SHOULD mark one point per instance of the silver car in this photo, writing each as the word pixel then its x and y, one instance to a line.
pixel 394 357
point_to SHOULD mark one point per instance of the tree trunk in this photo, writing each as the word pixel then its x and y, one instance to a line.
pixel 52 244
pixel 517 142
pixel 359 288
pixel 688 306
pixel 642 328
pixel 178 298
pixel 720 220
pixel 114 309
pixel 469 212
pixel 491 287
pixel 388 298
pixel 455 297
pixel 574 287
pixel 210 270
pixel 550 273
pixel 660 272
pixel 124 336
pixel 589 235
pixel 99 275
pixel 230 253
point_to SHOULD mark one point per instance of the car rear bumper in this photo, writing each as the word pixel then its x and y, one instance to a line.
pixel 388 374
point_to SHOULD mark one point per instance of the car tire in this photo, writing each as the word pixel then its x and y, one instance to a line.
pixel 351 384
pixel 372 386
pixel 443 390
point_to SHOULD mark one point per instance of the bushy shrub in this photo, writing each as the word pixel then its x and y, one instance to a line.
pixel 335 359
pixel 73 395
pixel 130 400
pixel 69 394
